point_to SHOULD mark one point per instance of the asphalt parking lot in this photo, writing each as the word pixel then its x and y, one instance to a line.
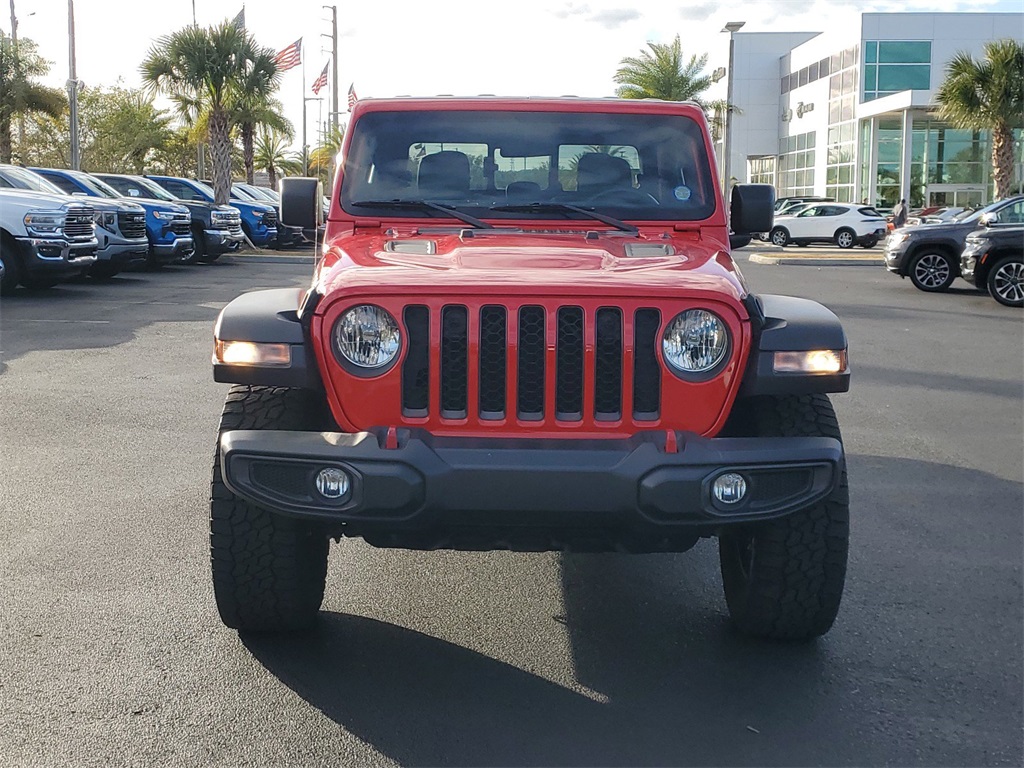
pixel 111 651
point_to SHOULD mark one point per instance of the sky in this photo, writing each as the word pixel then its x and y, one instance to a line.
pixel 420 48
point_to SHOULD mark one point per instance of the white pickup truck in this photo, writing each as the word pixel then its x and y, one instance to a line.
pixel 43 239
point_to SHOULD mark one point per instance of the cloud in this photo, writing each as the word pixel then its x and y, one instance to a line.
pixel 698 11
pixel 569 10
pixel 614 17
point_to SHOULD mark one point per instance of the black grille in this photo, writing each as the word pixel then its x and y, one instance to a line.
pixel 646 370
pixel 572 399
pixel 270 218
pixel 608 365
pixel 530 381
pixel 776 486
pixel 291 479
pixel 453 362
pixel 181 224
pixel 132 224
pixel 416 368
pixel 79 222
pixel 493 362
pixel 569 381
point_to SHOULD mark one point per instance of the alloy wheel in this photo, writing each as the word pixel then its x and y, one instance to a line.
pixel 1008 282
pixel 932 271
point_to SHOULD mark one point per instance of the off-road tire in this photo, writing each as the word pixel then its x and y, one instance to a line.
pixel 1004 281
pixel 932 271
pixel 268 570
pixel 784 579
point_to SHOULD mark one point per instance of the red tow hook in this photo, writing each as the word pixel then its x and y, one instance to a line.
pixel 671 444
pixel 391 441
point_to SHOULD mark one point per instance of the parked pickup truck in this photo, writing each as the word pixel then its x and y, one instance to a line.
pixel 43 238
pixel 258 221
pixel 120 236
pixel 526 332
pixel 216 229
pixel 167 224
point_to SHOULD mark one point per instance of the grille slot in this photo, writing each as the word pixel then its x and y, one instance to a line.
pixel 646 369
pixel 493 362
pixel 132 224
pixel 608 365
pixel 181 224
pixel 569 387
pixel 290 479
pixel 454 362
pixel 79 222
pixel 530 379
pixel 416 367
pixel 270 218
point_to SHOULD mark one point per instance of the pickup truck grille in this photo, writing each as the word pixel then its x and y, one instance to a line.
pixel 270 218
pixel 601 369
pixel 132 225
pixel 181 224
pixel 79 222
pixel 234 225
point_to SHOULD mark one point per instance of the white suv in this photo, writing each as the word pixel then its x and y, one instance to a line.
pixel 845 224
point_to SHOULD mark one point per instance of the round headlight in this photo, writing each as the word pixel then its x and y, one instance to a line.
pixel 367 336
pixel 695 341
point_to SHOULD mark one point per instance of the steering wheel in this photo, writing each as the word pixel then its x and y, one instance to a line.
pixel 624 196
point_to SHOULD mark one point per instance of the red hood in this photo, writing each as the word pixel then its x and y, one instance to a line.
pixel 563 264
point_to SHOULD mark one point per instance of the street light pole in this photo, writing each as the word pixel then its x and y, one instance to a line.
pixel 732 27
pixel 76 161
pixel 334 63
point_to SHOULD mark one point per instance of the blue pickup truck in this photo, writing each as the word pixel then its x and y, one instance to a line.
pixel 259 221
pixel 168 225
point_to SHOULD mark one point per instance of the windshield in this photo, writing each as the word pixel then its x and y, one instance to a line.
pixel 627 166
pixel 21 178
pixel 100 188
pixel 975 215
pixel 137 186
pixel 204 188
pixel 241 192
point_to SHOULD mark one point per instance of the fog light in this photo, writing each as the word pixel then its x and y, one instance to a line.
pixel 332 483
pixel 729 488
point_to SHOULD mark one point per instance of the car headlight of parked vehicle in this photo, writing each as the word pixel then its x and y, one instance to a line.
pixel 895 238
pixel 368 337
pixel 220 219
pixel 105 219
pixel 44 223
pixel 164 215
pixel 695 342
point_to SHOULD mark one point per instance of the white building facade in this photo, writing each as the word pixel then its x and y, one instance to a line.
pixel 852 114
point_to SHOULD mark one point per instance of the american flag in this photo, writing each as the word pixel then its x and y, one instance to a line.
pixel 352 98
pixel 321 81
pixel 289 57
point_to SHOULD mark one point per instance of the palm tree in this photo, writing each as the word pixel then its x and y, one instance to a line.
pixel 322 158
pixel 203 70
pixel 253 105
pixel 662 74
pixel 988 95
pixel 18 94
pixel 271 155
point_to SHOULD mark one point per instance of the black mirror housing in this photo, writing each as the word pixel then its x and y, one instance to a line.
pixel 752 208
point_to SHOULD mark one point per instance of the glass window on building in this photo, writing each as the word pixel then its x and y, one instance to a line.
pixel 891 66
pixel 761 170
pixel 796 165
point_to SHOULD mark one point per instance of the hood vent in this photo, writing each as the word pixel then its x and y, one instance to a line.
pixel 649 250
pixel 418 247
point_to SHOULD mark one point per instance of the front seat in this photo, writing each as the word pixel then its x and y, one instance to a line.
pixel 597 172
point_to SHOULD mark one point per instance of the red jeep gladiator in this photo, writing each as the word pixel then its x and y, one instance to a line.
pixel 526 332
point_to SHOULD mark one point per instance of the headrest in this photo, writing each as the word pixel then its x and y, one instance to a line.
pixel 444 174
pixel 525 191
pixel 597 171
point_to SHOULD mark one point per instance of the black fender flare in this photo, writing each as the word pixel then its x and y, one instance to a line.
pixel 790 324
pixel 275 316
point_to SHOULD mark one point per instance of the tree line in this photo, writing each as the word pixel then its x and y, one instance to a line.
pixel 223 87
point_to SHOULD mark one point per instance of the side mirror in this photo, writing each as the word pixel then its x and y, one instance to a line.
pixel 301 202
pixel 988 219
pixel 752 208
pixel 133 193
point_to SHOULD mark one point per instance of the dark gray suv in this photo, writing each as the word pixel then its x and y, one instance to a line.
pixel 929 254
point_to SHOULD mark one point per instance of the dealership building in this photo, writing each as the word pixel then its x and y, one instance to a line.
pixel 852 114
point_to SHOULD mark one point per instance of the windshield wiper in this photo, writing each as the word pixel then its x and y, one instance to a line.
pixel 420 205
pixel 561 208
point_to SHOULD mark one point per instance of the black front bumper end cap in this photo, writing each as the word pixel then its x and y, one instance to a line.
pixel 429 481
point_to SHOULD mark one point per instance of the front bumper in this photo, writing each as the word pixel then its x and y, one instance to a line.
pixel 220 241
pixel 167 253
pixel 123 252
pixel 895 257
pixel 969 264
pixel 410 481
pixel 57 257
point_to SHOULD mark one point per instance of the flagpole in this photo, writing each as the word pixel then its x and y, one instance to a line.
pixel 305 147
